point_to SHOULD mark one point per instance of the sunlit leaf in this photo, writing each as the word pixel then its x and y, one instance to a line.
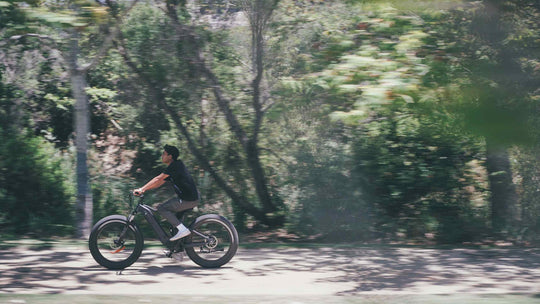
pixel 352 117
pixel 63 18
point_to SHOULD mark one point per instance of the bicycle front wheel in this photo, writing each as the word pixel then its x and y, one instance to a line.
pixel 213 241
pixel 114 243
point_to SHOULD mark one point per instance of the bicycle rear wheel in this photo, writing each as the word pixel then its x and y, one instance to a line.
pixel 213 241
pixel 115 243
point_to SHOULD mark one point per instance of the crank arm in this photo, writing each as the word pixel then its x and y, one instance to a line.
pixel 193 245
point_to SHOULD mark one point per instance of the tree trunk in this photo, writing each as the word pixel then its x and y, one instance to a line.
pixel 503 191
pixel 84 206
pixel 259 15
pixel 157 94
pixel 489 26
pixel 249 143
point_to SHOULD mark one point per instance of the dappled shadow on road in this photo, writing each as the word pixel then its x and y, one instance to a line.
pixel 59 270
pixel 412 270
pixel 32 269
pixel 353 270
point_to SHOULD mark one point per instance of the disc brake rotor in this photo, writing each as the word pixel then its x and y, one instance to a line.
pixel 212 242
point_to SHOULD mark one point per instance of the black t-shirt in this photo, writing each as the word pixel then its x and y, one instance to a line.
pixel 182 182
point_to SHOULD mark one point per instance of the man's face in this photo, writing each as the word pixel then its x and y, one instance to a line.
pixel 166 157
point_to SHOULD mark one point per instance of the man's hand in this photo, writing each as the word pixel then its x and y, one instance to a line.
pixel 138 192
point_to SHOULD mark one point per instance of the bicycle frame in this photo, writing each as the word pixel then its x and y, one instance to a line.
pixel 148 213
pixel 149 216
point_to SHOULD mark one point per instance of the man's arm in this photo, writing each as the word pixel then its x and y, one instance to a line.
pixel 156 182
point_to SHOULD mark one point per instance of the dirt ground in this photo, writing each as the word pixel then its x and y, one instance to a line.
pixel 320 272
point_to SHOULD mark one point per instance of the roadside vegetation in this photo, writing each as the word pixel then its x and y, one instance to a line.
pixel 303 121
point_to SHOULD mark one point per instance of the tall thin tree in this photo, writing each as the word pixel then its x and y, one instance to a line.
pixel 75 25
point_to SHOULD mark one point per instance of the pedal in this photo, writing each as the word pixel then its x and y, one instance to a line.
pixel 179 256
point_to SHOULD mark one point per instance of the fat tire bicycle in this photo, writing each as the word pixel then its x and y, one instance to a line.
pixel 116 241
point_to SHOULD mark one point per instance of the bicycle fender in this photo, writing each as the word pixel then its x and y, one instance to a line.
pixel 115 217
pixel 209 216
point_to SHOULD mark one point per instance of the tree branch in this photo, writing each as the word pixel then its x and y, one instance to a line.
pixel 201 158
pixel 198 62
pixel 108 40
pixel 41 37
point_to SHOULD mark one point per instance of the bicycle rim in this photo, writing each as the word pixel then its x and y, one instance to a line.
pixel 111 247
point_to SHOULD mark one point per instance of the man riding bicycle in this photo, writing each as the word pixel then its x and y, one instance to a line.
pixel 187 195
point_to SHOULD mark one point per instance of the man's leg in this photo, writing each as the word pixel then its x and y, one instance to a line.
pixel 169 209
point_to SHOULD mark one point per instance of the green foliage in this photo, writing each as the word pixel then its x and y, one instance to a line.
pixel 35 194
pixel 410 160
pixel 528 166
pixel 82 13
pixel 419 180
pixel 12 19
pixel 21 155
pixel 373 121
pixel 325 200
pixel 110 195
pixel 486 50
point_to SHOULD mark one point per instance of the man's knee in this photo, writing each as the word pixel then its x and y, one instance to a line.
pixel 192 204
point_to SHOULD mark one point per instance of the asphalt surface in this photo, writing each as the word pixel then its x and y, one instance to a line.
pixel 277 272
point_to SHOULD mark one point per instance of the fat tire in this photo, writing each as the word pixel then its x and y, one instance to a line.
pixel 96 254
pixel 197 259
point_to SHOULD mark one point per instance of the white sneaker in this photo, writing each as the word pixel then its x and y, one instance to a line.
pixel 182 232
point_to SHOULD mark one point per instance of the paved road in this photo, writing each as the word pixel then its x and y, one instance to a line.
pixel 278 272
